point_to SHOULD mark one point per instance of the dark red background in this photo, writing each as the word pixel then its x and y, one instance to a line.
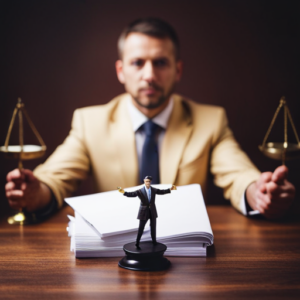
pixel 60 55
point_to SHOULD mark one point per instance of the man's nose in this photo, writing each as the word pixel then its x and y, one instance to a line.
pixel 148 72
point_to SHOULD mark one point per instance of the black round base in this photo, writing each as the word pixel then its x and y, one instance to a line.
pixel 148 258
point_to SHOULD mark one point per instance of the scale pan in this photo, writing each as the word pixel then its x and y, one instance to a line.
pixel 276 150
pixel 29 151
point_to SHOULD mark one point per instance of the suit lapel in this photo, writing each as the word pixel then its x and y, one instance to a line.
pixel 176 137
pixel 175 140
pixel 124 140
pixel 145 196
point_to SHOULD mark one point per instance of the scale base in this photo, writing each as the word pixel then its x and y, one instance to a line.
pixel 148 258
pixel 22 219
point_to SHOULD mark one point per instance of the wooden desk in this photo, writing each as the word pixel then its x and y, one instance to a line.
pixel 251 259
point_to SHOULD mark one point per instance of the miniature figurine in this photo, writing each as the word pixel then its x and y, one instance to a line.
pixel 147 208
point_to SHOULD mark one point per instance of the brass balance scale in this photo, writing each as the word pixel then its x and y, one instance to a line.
pixel 22 152
pixel 279 151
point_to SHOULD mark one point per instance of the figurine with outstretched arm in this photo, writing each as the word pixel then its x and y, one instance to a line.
pixel 147 208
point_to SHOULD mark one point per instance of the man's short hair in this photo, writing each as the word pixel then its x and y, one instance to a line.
pixel 153 27
pixel 148 177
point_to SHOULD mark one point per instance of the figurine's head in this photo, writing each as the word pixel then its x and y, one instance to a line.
pixel 147 181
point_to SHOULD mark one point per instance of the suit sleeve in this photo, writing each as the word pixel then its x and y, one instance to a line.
pixel 162 192
pixel 68 165
pixel 130 194
pixel 232 169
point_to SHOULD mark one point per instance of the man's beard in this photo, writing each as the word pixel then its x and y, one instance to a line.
pixel 161 100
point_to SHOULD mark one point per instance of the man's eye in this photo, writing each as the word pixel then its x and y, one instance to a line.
pixel 137 63
pixel 160 63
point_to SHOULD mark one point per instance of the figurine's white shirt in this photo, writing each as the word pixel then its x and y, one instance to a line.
pixel 148 191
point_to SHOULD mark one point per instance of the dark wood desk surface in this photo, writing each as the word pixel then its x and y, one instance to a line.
pixel 251 258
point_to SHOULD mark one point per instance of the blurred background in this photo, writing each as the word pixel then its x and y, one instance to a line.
pixel 60 55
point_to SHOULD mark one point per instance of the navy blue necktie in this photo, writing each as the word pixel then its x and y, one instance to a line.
pixel 150 164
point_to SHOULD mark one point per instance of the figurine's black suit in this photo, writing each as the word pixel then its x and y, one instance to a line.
pixel 147 210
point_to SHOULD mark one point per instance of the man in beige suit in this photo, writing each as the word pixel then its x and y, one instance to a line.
pixel 193 139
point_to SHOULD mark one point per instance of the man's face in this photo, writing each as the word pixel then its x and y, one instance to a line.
pixel 148 69
pixel 147 183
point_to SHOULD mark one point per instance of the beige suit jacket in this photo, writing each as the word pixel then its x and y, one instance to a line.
pixel 102 142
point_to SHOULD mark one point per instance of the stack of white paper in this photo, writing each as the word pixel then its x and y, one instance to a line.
pixel 104 222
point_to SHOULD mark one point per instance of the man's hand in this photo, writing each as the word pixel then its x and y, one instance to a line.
pixel 120 190
pixel 173 188
pixel 271 194
pixel 24 190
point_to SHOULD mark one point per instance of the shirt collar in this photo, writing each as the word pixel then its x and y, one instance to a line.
pixel 138 119
pixel 147 188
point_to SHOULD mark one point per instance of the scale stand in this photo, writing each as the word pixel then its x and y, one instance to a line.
pixel 281 151
pixel 22 152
